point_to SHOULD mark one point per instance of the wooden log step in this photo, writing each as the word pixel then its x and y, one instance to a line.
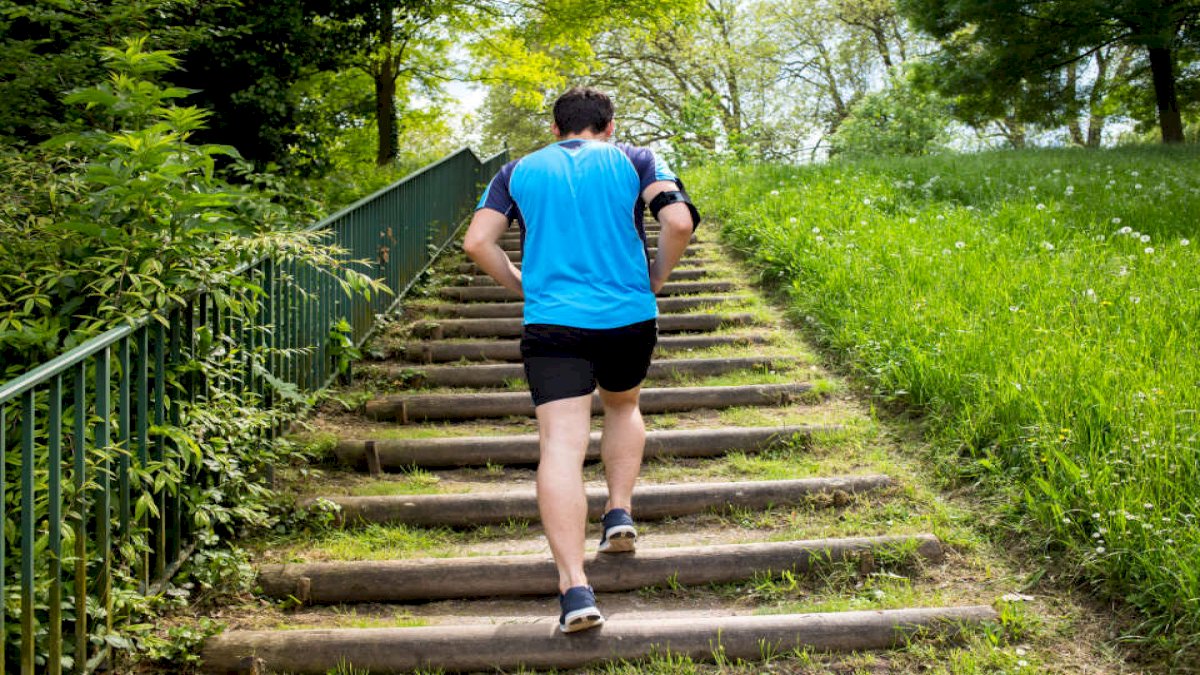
pixel 417 407
pixel 510 350
pixel 690 274
pixel 508 647
pixel 499 374
pixel 516 256
pixel 523 448
pixel 650 502
pixel 472 328
pixel 697 261
pixel 498 293
pixel 522 575
pixel 505 310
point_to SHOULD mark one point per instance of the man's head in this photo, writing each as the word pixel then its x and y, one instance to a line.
pixel 582 110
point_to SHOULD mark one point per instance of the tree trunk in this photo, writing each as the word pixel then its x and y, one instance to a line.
pixel 384 73
pixel 385 114
pixel 1162 69
pixel 1096 99
pixel 1073 126
pixel 1014 131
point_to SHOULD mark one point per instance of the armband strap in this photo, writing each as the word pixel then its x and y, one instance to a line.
pixel 668 197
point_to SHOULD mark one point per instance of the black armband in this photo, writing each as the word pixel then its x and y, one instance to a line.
pixel 668 197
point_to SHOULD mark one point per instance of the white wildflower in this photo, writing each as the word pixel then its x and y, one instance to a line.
pixel 960 244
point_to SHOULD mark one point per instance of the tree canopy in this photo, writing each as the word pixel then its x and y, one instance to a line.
pixel 1010 55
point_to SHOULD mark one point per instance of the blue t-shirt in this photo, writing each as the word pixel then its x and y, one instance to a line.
pixel 578 204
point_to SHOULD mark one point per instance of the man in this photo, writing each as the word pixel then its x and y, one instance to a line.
pixel 590 314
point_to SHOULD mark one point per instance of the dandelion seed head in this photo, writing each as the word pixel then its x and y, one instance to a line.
pixel 1041 206
pixel 1137 186
pixel 1145 238
pixel 912 221
pixel 1149 250
pixel 792 219
pixel 960 244
pixel 1048 246
pixel 1099 549
pixel 1117 221
pixel 866 201
pixel 774 193
pixel 1184 242
pixel 945 251
pixel 816 230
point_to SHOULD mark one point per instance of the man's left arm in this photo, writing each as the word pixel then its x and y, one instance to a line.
pixel 482 244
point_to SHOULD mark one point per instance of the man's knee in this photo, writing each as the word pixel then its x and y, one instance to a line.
pixel 619 400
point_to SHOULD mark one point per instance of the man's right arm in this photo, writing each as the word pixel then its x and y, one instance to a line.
pixel 677 228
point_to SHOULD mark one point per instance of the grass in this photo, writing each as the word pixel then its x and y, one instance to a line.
pixel 1040 310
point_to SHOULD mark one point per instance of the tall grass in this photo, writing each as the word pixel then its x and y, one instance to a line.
pixel 1042 309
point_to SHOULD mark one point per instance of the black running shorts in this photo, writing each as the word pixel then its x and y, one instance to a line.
pixel 564 362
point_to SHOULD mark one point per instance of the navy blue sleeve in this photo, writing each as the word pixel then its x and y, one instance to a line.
pixel 650 168
pixel 497 196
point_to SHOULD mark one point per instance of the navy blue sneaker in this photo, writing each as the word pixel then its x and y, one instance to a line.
pixel 619 533
pixel 579 610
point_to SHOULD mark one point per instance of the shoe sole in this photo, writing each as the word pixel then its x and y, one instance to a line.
pixel 619 539
pixel 581 619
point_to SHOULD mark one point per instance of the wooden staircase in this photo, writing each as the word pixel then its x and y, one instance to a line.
pixel 454 370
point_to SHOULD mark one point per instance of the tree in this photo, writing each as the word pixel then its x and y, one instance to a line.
pixel 52 48
pixel 244 59
pixel 835 52
pixel 902 120
pixel 404 46
pixel 996 48
pixel 706 83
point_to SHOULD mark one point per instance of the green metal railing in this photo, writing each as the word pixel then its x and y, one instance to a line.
pixel 87 436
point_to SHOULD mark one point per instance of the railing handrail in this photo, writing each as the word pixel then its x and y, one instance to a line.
pixel 59 364
pixel 396 185
pixel 15 387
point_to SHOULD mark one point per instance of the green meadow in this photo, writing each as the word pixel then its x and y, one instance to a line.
pixel 1040 310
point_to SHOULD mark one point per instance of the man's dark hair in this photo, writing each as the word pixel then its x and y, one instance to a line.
pixel 581 108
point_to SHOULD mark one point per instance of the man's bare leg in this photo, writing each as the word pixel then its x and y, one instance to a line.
pixel 563 428
pixel 621 446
